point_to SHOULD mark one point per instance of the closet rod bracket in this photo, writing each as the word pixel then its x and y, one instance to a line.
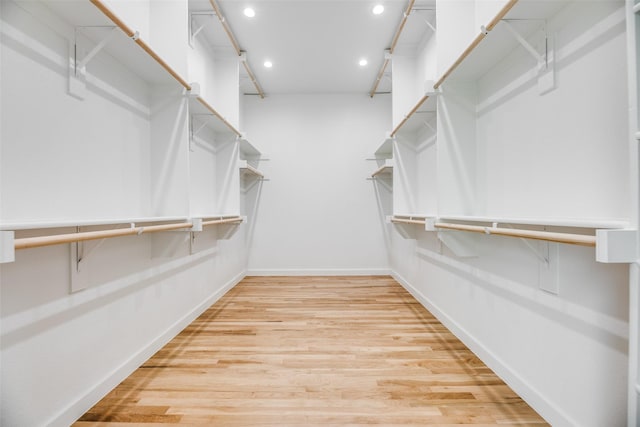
pixel 77 66
pixel 80 65
pixel 7 247
pixel 541 59
pixel 194 28
pixel 617 246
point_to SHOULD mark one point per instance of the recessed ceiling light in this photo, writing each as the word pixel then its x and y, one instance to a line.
pixel 268 64
pixel 378 9
pixel 250 13
pixel 363 62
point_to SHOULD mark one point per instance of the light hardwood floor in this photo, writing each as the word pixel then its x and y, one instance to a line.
pixel 304 351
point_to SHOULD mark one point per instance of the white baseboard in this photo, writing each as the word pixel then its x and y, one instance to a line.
pixel 78 408
pixel 321 272
pixel 530 394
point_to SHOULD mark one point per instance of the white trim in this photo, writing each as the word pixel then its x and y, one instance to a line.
pixel 71 413
pixel 320 272
pixel 530 394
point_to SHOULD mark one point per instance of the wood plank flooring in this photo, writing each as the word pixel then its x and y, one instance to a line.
pixel 305 351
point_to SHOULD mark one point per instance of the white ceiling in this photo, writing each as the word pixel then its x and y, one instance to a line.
pixel 315 45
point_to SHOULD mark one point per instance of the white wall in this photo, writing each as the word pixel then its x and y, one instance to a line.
pixel 318 213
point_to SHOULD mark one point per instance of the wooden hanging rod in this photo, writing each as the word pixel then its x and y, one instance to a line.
pixel 380 170
pixel 574 239
pixel 408 116
pixel 233 220
pixel 252 170
pixel 36 242
pixel 394 43
pixel 236 46
pixel 215 113
pixel 130 33
pixel 408 221
pixel 476 42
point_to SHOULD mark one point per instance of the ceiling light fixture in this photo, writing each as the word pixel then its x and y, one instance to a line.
pixel 363 62
pixel 249 13
pixel 268 64
pixel 378 9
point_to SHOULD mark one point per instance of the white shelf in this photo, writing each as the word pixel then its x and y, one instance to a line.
pixel 416 117
pixel 412 215
pixel 551 222
pixel 121 47
pixel 37 225
pixel 215 122
pixel 499 42
pixel 248 150
pixel 385 150
pixel 385 168
pixel 246 168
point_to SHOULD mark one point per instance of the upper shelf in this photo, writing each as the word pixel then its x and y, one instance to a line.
pixel 248 151
pixel 385 150
pixel 134 53
pixel 37 225
pixel 384 168
pixel 198 106
pixel 417 116
pixel 488 49
pixel 551 222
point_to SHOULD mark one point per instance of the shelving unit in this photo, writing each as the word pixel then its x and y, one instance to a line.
pixel 174 159
pixel 451 155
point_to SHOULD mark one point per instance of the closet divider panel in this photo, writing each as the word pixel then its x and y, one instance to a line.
pixel 169 151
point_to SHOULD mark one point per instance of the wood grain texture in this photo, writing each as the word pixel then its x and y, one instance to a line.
pixel 313 351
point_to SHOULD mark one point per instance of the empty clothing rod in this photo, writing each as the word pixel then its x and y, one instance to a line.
pixel 408 221
pixel 36 242
pixel 223 221
pixel 408 116
pixel 236 46
pixel 215 113
pixel 574 239
pixel 394 43
pixel 132 34
pixel 253 170
pixel 503 12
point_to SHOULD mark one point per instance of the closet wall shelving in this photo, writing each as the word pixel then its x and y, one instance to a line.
pixel 164 158
pixel 463 167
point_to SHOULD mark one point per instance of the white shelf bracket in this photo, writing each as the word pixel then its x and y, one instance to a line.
pixel 194 27
pixel 541 59
pixel 545 60
pixel 541 253
pixel 78 67
pixel 7 246
pixel 81 65
pixel 80 252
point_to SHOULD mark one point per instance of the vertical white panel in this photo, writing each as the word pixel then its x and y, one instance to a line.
pixel 457 180
pixel 169 152
pixel 169 32
pixel 226 96
pixel 456 30
pixel 403 94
